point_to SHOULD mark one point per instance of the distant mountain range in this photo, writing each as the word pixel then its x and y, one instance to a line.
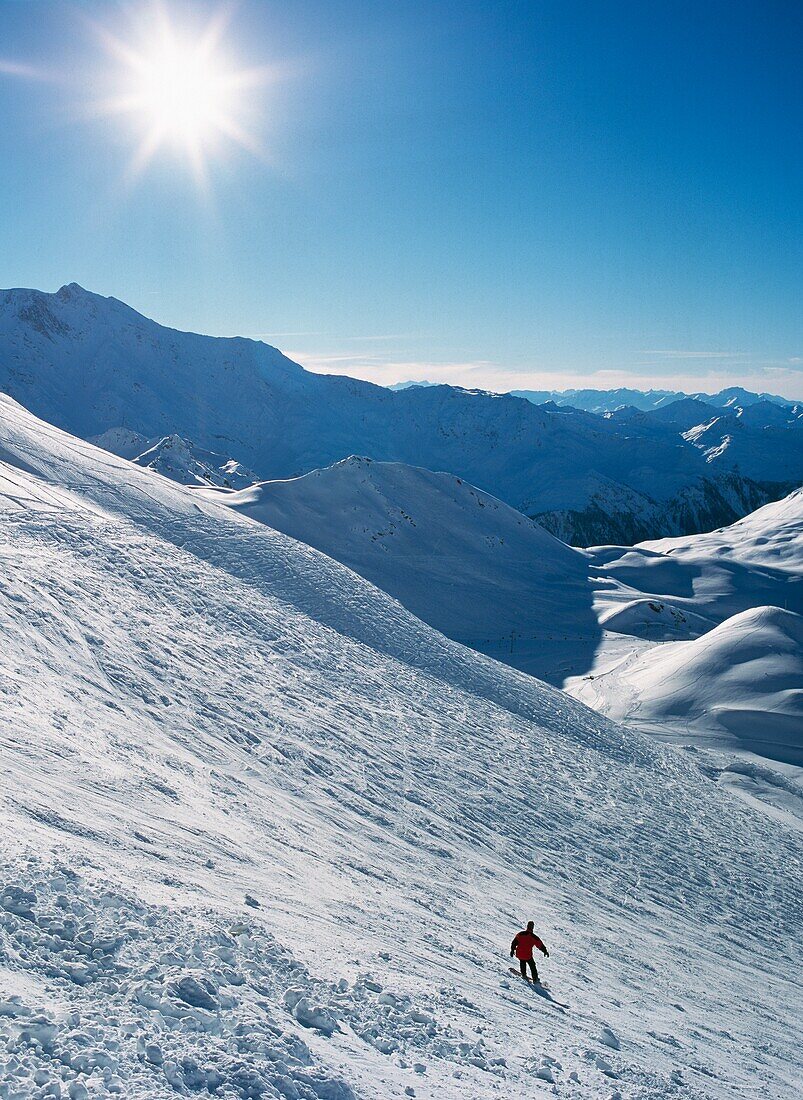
pixel 602 401
pixel 761 439
pixel 91 364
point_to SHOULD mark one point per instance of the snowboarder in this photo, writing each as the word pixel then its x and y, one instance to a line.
pixel 522 948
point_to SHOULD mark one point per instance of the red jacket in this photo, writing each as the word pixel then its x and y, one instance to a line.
pixel 523 944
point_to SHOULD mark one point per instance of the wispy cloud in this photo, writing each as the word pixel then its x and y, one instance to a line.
pixel 313 361
pixel 385 370
pixel 362 339
pixel 24 71
pixel 389 336
pixel 783 378
pixel 272 335
pixel 673 353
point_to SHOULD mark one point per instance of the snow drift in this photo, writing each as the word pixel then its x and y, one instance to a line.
pixel 754 562
pixel 700 646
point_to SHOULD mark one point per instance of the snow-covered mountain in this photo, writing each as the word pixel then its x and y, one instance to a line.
pixel 176 458
pixel 602 401
pixel 91 364
pixel 679 416
pixel 461 560
pixel 266 834
pixel 762 441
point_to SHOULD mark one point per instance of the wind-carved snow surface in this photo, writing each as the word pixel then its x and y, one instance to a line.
pixel 701 645
pixel 266 834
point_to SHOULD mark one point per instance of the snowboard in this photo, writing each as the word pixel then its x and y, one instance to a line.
pixel 526 978
pixel 541 989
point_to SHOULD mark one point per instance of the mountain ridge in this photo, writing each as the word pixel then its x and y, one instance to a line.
pixel 602 401
pixel 91 364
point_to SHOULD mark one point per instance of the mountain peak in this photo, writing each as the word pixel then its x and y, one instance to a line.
pixel 71 290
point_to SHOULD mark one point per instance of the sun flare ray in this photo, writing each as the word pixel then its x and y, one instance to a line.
pixel 181 92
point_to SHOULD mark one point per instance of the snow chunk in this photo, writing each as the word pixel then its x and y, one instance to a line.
pixel 315 1016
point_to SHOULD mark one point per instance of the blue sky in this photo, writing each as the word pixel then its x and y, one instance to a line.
pixel 498 194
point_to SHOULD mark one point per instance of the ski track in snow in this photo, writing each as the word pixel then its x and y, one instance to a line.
pixel 266 834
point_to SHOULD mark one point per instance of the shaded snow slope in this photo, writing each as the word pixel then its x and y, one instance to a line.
pixel 123 442
pixel 685 413
pixel 461 560
pixel 757 560
pixel 92 364
pixel 267 834
pixel 764 441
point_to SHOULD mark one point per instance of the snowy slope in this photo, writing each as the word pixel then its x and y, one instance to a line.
pixel 755 561
pixel 698 646
pixel 268 835
pixel 91 364
pixel 461 560
pixel 123 442
pixel 770 536
pixel 488 577
pixel 743 680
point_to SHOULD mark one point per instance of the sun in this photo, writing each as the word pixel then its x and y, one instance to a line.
pixel 181 93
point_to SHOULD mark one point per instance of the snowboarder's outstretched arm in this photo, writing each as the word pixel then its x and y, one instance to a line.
pixel 513 945
pixel 539 943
